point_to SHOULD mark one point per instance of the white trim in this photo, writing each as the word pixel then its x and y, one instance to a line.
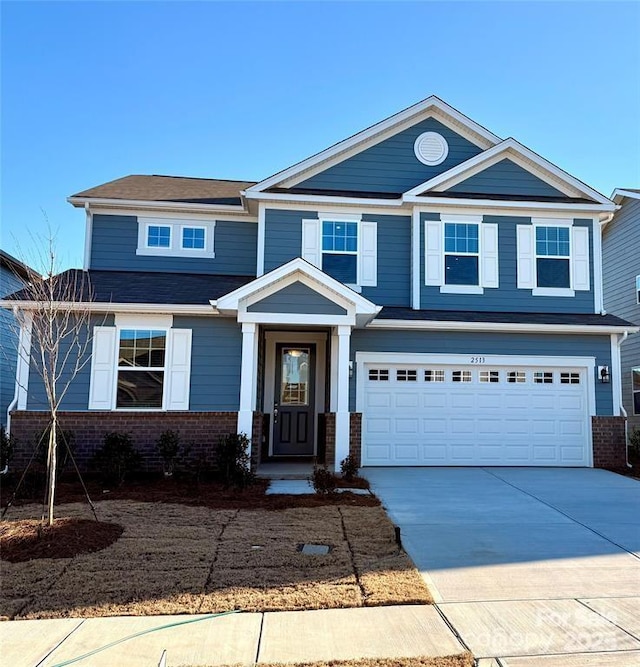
pixel 461 217
pixel 136 204
pixel 432 106
pixel 619 193
pixel 553 291
pixel 261 239
pixel 322 199
pixel 302 319
pixel 272 338
pixel 108 307
pixel 229 216
pixel 443 145
pixel 333 389
pixel 616 376
pixel 462 289
pixel 176 227
pixel 248 379
pixel 127 321
pixel 23 363
pixel 342 431
pixel 431 204
pixel 88 236
pixel 415 259
pixel 520 155
pixel 511 327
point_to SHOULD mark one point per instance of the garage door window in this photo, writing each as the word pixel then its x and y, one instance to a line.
pixel 518 377
pixel 569 378
pixel 461 376
pixel 433 375
pixel 489 376
pixel 406 375
pixel 543 377
pixel 378 375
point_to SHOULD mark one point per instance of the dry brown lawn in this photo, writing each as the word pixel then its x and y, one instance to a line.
pixel 179 559
pixel 462 660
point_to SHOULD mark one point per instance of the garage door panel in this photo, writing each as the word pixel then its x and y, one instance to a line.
pixel 408 420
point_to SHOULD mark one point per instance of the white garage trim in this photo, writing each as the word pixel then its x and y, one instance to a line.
pixel 478 362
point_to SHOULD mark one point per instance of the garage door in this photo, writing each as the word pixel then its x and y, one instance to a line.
pixel 420 414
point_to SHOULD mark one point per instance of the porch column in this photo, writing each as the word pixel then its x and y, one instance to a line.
pixel 248 378
pixel 342 403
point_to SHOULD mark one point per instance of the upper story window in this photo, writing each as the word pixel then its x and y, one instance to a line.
pixel 461 254
pixel 637 289
pixel 340 250
pixel 175 238
pixel 552 257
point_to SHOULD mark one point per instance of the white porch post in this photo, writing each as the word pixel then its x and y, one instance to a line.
pixel 248 378
pixel 342 404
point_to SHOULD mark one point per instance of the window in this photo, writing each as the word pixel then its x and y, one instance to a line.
pixel 461 376
pixel 516 377
pixel 543 377
pixel 175 238
pixel 406 376
pixel 569 378
pixel 340 250
pixel 193 237
pixel 635 388
pixel 637 289
pixel 141 366
pixel 461 254
pixel 552 257
pixel 378 375
pixel 158 236
pixel 434 376
pixel 489 376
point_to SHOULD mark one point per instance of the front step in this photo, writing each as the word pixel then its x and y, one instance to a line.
pixel 284 471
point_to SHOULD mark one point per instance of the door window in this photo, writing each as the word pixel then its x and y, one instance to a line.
pixel 294 386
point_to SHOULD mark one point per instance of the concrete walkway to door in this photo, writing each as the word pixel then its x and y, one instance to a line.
pixel 526 562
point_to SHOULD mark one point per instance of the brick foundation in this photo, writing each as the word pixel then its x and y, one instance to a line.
pixel 609 443
pixel 256 440
pixel 330 439
pixel 198 430
pixel 355 439
pixel 355 436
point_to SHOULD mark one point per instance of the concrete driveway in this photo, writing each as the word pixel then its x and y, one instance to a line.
pixel 526 562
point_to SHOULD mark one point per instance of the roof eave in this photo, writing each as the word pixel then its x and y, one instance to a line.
pixel 105 202
pixel 513 327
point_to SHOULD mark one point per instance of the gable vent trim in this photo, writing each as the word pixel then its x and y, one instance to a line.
pixel 431 148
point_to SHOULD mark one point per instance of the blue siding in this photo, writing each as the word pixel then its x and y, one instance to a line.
pixel 484 343
pixel 283 242
pixel 115 239
pixel 9 283
pixel 297 298
pixel 216 357
pixel 506 178
pixel 391 165
pixel 77 396
pixel 507 298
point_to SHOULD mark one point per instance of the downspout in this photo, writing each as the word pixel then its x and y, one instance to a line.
pixel 621 340
pixel 607 219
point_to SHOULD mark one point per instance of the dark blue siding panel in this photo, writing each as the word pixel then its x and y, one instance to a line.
pixel 507 298
pixel 115 238
pixel 216 357
pixel 297 298
pixel 283 236
pixel 391 165
pixel 486 343
pixel 77 395
pixel 506 178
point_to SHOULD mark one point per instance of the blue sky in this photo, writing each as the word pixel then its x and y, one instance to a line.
pixel 93 91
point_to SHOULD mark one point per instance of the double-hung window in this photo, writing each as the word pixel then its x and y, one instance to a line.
pixel 340 250
pixel 175 238
pixel 141 368
pixel 553 252
pixel 635 390
pixel 461 254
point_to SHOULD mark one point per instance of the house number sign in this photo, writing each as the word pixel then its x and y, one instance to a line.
pixel 478 360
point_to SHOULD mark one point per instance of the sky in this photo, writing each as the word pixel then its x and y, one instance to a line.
pixel 92 91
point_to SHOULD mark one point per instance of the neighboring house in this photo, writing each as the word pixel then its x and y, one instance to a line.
pixel 621 270
pixel 421 293
pixel 13 275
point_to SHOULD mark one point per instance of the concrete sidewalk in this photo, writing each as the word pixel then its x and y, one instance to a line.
pixel 243 638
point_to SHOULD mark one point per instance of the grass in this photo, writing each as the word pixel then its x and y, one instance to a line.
pixel 181 559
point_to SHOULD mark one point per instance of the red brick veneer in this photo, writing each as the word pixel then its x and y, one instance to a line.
pixel 609 443
pixel 355 432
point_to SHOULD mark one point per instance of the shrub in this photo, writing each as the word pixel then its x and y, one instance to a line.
pixel 168 446
pixel 323 480
pixel 634 441
pixel 7 447
pixel 349 468
pixel 233 461
pixel 116 458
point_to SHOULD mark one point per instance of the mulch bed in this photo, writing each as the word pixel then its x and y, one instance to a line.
pixel 28 539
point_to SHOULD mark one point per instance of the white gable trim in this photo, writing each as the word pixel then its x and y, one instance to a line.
pixel 523 157
pixel 430 107
pixel 620 193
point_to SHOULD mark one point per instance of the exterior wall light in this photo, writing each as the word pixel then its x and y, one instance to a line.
pixel 603 374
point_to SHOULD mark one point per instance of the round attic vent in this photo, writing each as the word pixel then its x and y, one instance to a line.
pixel 431 148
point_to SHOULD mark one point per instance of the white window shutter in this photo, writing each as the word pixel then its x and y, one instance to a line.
pixel 526 257
pixel 368 254
pixel 178 370
pixel 433 253
pixel 489 259
pixel 312 242
pixel 580 258
pixel 103 368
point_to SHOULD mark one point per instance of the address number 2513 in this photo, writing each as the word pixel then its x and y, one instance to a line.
pixel 478 360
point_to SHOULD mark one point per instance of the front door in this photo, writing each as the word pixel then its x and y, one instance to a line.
pixel 294 400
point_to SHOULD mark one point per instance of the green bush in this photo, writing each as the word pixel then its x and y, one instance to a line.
pixel 233 461
pixel 116 458
pixel 324 481
pixel 349 468
pixel 7 447
pixel 634 441
pixel 169 447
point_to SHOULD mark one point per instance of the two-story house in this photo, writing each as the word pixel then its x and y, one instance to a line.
pixel 421 293
pixel 621 270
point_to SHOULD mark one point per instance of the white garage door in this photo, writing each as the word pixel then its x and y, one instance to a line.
pixel 422 414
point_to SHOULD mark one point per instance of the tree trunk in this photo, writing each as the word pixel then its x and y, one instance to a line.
pixel 53 446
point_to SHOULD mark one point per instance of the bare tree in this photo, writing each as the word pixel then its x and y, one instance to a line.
pixel 53 315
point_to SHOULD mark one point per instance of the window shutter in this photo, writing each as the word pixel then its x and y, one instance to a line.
pixel 178 370
pixel 580 258
pixel 312 242
pixel 489 250
pixel 103 368
pixel 433 253
pixel 368 254
pixel 526 257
